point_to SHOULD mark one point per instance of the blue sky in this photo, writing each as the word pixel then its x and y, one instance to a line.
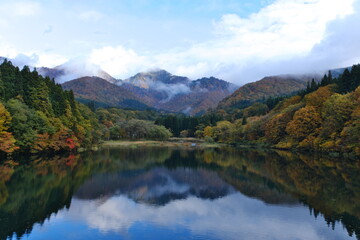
pixel 239 41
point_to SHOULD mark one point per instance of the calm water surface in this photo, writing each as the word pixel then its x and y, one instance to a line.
pixel 180 194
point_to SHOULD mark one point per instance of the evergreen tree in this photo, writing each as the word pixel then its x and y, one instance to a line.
pixel 345 82
pixel 324 81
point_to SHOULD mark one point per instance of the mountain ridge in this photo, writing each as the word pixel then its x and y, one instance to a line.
pixel 157 89
pixel 266 87
pixel 99 90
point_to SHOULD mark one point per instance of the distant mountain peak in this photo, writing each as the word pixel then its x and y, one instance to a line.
pixel 75 69
pixel 151 79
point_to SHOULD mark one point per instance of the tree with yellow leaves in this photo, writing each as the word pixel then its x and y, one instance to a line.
pixel 7 140
pixel 306 121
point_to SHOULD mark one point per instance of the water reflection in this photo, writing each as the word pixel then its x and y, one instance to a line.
pixel 157 186
pixel 173 194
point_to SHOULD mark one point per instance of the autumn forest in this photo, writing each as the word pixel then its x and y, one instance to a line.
pixel 37 115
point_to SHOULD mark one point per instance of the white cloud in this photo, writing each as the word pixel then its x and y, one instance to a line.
pixel 50 60
pixel 35 59
pixel 254 219
pixel 91 16
pixel 21 8
pixel 7 50
pixel 280 32
pixel 119 61
pixel 22 59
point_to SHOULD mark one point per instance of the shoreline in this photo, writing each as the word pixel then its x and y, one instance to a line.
pixel 195 143
pixel 190 143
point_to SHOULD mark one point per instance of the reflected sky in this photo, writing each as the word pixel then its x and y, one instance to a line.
pixel 129 205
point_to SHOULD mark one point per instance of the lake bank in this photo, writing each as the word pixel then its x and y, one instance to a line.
pixel 172 142
pixel 201 144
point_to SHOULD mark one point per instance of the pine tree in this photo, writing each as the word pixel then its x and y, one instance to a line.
pixel 344 82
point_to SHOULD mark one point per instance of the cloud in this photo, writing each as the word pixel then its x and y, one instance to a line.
pixel 32 59
pixel 77 67
pixel 201 217
pixel 286 36
pixel 21 59
pixel 341 46
pixel 21 8
pixel 8 50
pixel 91 16
pixel 170 89
pixel 120 62
pixel 50 59
pixel 285 31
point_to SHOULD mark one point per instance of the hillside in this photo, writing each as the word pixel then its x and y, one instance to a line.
pixel 99 90
pixel 324 117
pixel 204 93
pixel 37 115
pixel 264 88
pixel 163 90
pixel 152 79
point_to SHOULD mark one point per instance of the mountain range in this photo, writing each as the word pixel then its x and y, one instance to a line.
pixel 156 89
pixel 161 90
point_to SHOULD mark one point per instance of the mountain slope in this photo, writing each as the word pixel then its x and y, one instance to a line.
pixel 204 93
pixel 158 89
pixel 163 90
pixel 153 78
pixel 264 88
pixel 99 90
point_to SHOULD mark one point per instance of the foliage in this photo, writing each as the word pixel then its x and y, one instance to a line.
pixel 7 140
pixel 38 115
pixel 178 123
pixel 138 129
pixel 323 117
pixel 305 122
pixel 267 88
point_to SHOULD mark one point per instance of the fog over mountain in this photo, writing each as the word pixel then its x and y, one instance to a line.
pixel 156 89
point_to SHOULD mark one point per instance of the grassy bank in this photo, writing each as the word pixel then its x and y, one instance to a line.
pixel 172 142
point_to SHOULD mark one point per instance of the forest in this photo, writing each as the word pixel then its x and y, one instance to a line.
pixel 37 115
pixel 324 117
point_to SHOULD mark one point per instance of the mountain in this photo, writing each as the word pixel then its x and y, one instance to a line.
pixel 338 71
pixel 153 78
pixel 103 92
pixel 162 90
pixel 157 186
pixel 75 69
pixel 156 89
pixel 204 93
pixel 264 88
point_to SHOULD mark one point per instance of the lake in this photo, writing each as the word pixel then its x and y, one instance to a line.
pixel 163 193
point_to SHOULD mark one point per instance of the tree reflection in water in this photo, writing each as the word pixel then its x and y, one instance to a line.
pixel 164 179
